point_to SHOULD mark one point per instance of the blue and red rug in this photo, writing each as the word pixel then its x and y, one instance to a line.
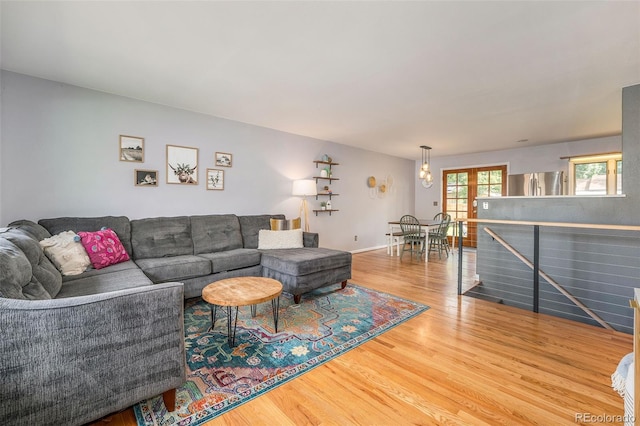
pixel 327 323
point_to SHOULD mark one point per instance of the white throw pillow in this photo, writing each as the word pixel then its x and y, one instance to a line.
pixel 280 239
pixel 66 252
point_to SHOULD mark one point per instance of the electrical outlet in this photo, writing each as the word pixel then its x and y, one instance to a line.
pixel 435 203
pixel 485 205
pixel 355 238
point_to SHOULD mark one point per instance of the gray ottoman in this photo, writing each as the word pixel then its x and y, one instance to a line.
pixel 305 269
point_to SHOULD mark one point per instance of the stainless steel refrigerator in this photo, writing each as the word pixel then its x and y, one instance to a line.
pixel 534 184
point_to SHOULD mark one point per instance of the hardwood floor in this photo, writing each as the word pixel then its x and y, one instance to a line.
pixel 464 361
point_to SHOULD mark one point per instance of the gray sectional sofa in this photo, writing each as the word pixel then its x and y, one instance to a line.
pixel 78 347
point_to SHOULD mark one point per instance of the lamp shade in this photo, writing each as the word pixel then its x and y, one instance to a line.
pixel 304 187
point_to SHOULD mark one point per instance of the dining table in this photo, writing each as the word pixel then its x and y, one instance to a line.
pixel 395 233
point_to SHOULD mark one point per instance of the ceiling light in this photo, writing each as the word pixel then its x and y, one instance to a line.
pixel 425 169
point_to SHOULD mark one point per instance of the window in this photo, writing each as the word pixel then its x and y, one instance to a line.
pixel 461 187
pixel 490 183
pixel 596 174
pixel 619 176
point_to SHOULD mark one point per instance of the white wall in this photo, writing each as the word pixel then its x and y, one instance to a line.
pixel 59 157
pixel 542 158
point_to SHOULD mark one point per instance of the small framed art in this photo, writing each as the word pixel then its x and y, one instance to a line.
pixel 146 177
pixel 182 165
pixel 223 159
pixel 131 148
pixel 215 179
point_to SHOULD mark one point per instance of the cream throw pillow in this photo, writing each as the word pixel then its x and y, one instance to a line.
pixel 66 252
pixel 279 239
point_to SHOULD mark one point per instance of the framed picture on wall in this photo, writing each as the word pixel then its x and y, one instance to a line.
pixel 182 165
pixel 215 179
pixel 146 177
pixel 223 159
pixel 131 149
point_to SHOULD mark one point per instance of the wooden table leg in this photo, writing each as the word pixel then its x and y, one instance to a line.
pixel 169 399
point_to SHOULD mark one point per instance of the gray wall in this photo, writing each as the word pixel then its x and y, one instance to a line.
pixel 631 148
pixel 1 132
pixel 59 157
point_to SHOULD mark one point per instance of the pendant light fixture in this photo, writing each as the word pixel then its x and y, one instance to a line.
pixel 425 169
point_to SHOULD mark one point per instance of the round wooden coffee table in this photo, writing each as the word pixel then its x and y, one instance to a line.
pixel 242 291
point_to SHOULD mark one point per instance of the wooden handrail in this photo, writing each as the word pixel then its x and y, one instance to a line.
pixel 556 224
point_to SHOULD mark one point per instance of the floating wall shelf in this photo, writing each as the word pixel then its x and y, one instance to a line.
pixel 327 178
pixel 325 211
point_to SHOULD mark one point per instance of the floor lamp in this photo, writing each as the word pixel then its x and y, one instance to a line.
pixel 303 188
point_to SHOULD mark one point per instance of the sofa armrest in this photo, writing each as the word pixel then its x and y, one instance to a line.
pixel 74 360
pixel 310 239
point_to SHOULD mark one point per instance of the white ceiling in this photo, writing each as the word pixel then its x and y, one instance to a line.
pixel 385 76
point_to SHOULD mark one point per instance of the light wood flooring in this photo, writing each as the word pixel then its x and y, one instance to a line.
pixel 464 361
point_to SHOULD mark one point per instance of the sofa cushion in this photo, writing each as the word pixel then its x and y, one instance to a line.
pixel 16 278
pixel 232 259
pixel 39 232
pixel 120 224
pixel 161 237
pixel 104 282
pixel 123 266
pixel 66 252
pixel 303 261
pixel 174 268
pixel 103 247
pixel 40 267
pixel 214 233
pixel 251 225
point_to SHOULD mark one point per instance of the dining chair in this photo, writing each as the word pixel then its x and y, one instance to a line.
pixel 413 235
pixel 393 239
pixel 438 239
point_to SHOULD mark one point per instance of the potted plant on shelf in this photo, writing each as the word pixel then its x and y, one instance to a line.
pixel 323 205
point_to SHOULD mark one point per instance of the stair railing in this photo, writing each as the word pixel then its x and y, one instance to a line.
pixel 535 264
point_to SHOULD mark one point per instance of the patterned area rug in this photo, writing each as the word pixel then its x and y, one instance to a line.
pixel 327 323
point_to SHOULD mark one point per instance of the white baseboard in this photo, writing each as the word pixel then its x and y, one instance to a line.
pixel 368 249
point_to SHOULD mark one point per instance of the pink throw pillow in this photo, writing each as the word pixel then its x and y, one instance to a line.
pixel 103 247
